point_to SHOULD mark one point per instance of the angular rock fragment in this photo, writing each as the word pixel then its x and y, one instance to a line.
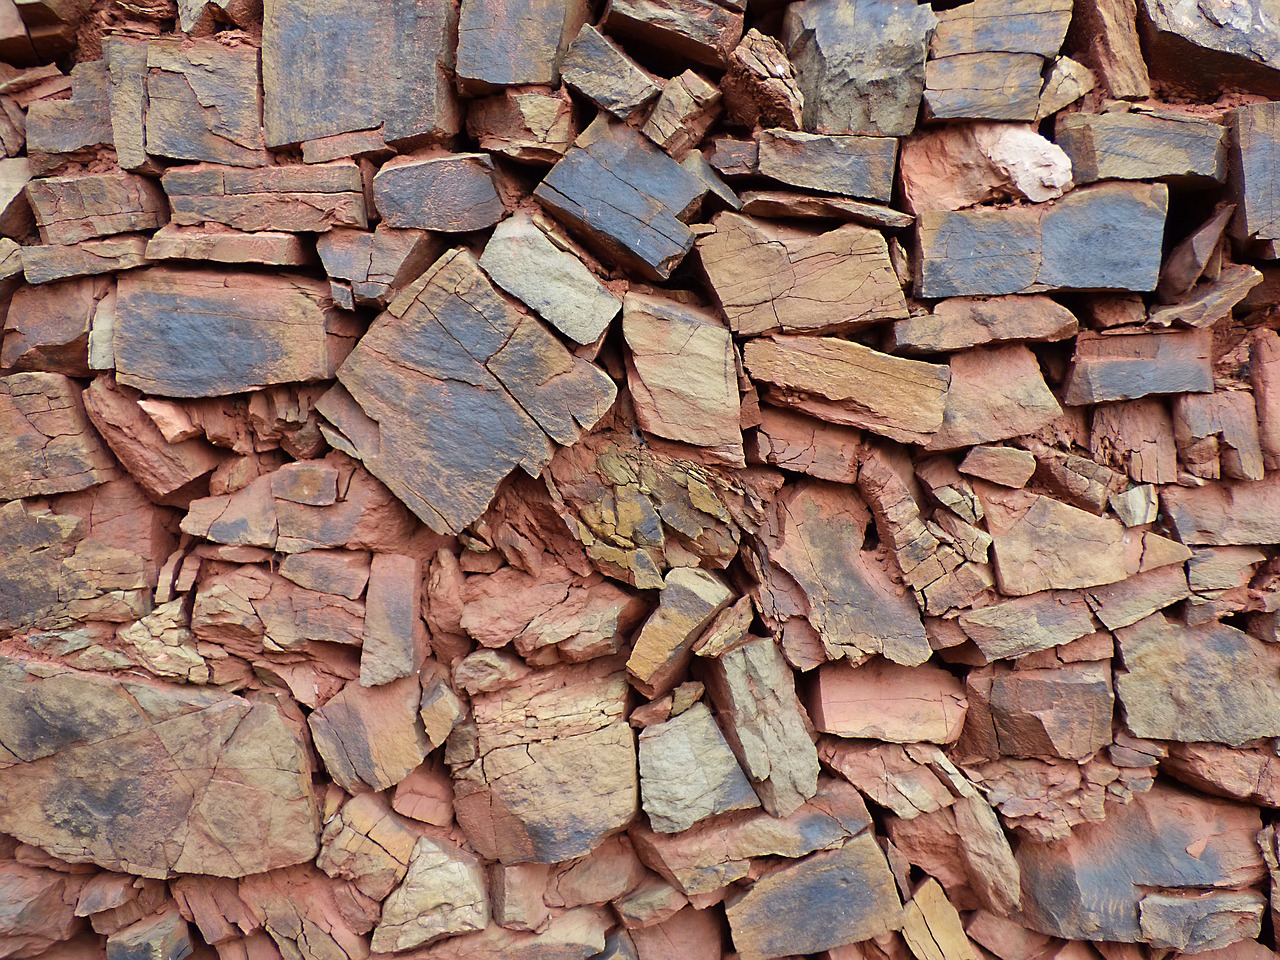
pixel 292 198
pixel 688 772
pixel 994 394
pixel 830 899
pixel 450 194
pixel 881 700
pixel 370 735
pixel 203 102
pixel 852 166
pixel 649 195
pixel 1212 682
pixel 224 332
pixel 984 85
pixel 705 31
pixel 328 69
pixel 664 646
pixel 1217 435
pixel 1104 35
pixel 765 724
pixel 1007 466
pixel 393 635
pixel 443 894
pixel 447 336
pixel 1062 711
pixel 793 441
pixel 1053 546
pixel 683 375
pixel 538 266
pixel 961 322
pixel 531 124
pixel 236 799
pixel 860 65
pixel 47 444
pixel 506 44
pixel 1159 844
pixel 933 930
pixel 1254 155
pixel 1128 367
pixel 224 245
pixel 817 582
pixel 370 269
pixel 1035 622
pixel 768 276
pixel 367 844
pixel 685 111
pixel 62 131
pixel 70 209
pixel 1206 53
pixel 44 264
pixel 1135 146
pixel 554 766
pixel 596 67
pixel 760 86
pixel 1025 250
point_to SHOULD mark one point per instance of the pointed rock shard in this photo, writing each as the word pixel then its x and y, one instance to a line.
pixel 151 779
pixel 1105 34
pixel 329 69
pixel 881 700
pixel 754 690
pixel 688 772
pixel 451 345
pixel 827 899
pixel 649 197
pixel 859 64
pixel 933 930
pixel 769 276
pixel 1207 683
pixel 846 383
pixel 664 646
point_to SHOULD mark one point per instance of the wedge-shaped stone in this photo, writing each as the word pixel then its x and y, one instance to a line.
pixel 47 444
pixel 853 166
pixel 859 64
pixel 1053 546
pixel 688 772
pixel 1211 682
pixel 995 393
pixel 1102 237
pixel 511 42
pixel 704 31
pixel 538 266
pixel 826 900
pixel 1007 466
pixel 625 196
pixel 962 322
pixel 56 261
pixel 715 853
pixel 754 690
pixel 664 646
pixel 1135 146
pixel 554 765
pixel 846 383
pixel 370 736
pixel 598 69
pixel 1220 514
pixel 453 387
pixel 1104 36
pixel 881 700
pixel 196 16
pixel 199 333
pixel 70 209
pixel 308 198
pixel 769 276
pixel 204 102
pixel 1015 628
pixel 534 125
pixel 816 579
pixel 328 69
pixel 683 375
pixel 151 780
pixel 443 895
pixel 1127 367
pixel 454 193
pixel 1167 841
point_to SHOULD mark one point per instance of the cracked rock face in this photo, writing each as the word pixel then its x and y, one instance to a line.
pixel 151 780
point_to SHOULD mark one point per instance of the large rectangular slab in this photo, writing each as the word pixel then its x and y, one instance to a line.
pixel 1106 237
pixel 199 333
pixel 310 198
